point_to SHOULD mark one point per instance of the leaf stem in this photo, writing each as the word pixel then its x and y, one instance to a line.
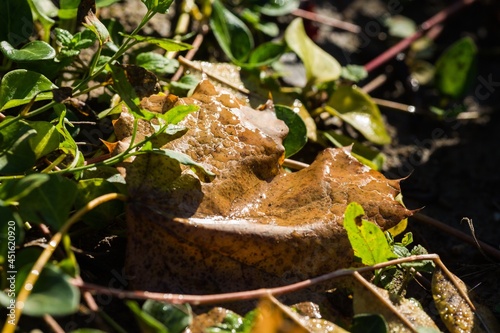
pixel 245 295
pixel 424 27
pixel 42 260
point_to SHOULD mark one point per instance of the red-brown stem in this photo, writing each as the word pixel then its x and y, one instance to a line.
pixel 191 53
pixel 243 295
pixel 333 22
pixel 405 43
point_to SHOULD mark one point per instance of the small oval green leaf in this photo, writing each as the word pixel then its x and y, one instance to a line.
pixel 175 317
pixel 46 139
pixel 297 134
pixel 34 51
pixel 356 108
pixel 233 35
pixel 19 86
pixel 165 43
pixel 50 203
pixel 53 294
pixel 455 66
pixel 320 66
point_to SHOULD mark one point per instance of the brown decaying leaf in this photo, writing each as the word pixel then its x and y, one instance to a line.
pixel 254 225
pixel 274 317
pixel 455 312
pixel 365 301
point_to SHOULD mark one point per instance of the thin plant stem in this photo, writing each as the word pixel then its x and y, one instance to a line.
pixel 42 260
pixel 405 43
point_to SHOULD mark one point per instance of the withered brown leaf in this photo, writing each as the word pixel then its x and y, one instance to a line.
pixel 255 225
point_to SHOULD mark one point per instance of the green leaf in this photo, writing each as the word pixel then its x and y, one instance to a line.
pixel 158 6
pixel 44 10
pixel 174 317
pixel 19 86
pixel 49 203
pixel 233 35
pixel 101 216
pixel 297 135
pixel 269 28
pixel 53 294
pixel 367 239
pixel 367 155
pixel 46 140
pixel 184 85
pixel 16 154
pixel 182 158
pixel 455 67
pixel 68 144
pixel 320 66
pixel 178 113
pixel 165 43
pixel 88 330
pixel 33 51
pixel 369 323
pixel 68 9
pixel 279 7
pixel 400 26
pixel 266 54
pixel 17 21
pixel 11 191
pixel 147 323
pixel 356 108
pixel 157 63
pixel 354 73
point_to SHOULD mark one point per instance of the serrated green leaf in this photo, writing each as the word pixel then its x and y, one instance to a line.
pixel 49 203
pixel 19 86
pixel 455 67
pixel 174 317
pixel 165 43
pixel 366 238
pixel 227 29
pixel 33 51
pixel 297 135
pixel 356 108
pixel 320 66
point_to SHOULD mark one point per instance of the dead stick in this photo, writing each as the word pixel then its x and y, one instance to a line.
pixel 405 43
pixel 191 53
pixel 495 253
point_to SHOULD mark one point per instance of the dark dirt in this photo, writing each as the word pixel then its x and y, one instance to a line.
pixel 452 165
